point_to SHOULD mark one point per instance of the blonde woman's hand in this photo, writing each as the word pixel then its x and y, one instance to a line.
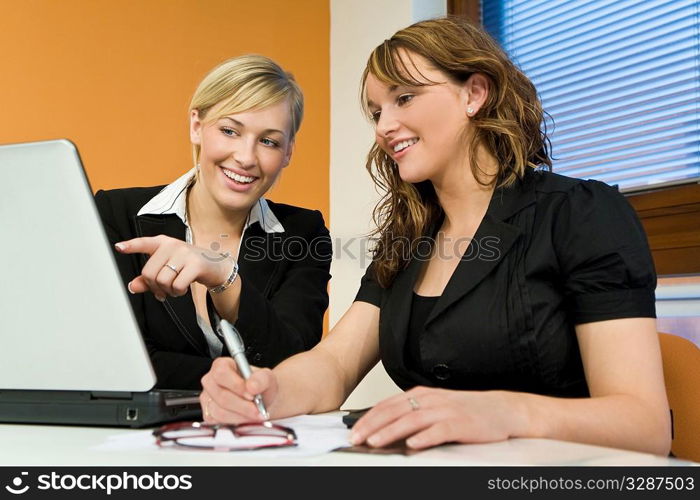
pixel 174 265
pixel 228 398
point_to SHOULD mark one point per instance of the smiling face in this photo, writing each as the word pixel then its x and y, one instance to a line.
pixel 420 127
pixel 242 154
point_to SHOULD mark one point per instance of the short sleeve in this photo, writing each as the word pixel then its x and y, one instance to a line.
pixel 607 268
pixel 370 291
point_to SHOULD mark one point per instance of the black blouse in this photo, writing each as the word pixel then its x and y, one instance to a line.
pixel 420 310
pixel 282 299
pixel 551 252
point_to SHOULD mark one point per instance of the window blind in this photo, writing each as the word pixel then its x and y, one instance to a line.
pixel 620 78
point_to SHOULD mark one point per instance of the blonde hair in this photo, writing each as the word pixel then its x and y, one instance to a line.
pixel 244 83
pixel 509 126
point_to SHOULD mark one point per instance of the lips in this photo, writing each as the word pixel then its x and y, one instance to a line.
pixel 237 181
pixel 399 145
pixel 239 177
pixel 403 146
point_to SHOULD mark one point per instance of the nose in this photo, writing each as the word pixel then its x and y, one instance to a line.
pixel 387 125
pixel 244 154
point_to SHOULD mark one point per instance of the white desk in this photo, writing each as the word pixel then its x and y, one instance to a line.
pixel 40 445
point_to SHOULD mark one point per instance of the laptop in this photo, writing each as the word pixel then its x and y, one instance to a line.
pixel 71 350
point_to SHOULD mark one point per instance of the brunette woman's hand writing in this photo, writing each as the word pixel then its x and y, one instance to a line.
pixel 228 398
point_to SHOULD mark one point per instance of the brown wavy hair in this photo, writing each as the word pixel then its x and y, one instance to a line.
pixel 510 126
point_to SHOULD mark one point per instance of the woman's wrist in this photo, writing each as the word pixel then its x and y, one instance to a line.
pixel 231 278
pixel 518 409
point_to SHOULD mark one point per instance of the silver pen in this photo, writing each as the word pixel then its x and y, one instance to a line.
pixel 234 343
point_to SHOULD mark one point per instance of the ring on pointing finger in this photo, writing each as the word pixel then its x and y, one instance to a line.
pixel 172 268
pixel 206 408
pixel 414 404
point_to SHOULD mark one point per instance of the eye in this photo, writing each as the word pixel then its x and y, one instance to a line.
pixel 375 116
pixel 404 98
pixel 270 142
pixel 228 131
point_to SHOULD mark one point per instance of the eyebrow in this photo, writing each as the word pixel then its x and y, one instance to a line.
pixel 242 125
pixel 392 88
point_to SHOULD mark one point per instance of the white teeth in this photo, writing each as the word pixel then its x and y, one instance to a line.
pixel 404 144
pixel 238 178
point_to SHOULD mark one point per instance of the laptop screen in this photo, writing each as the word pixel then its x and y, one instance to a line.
pixel 65 319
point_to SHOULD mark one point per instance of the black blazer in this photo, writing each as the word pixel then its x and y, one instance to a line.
pixel 283 298
pixel 551 252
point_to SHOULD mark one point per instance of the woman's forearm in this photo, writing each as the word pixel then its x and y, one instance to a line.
pixel 226 303
pixel 309 382
pixel 321 379
pixel 618 421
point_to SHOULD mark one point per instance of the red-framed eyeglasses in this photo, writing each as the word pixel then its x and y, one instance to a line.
pixel 222 437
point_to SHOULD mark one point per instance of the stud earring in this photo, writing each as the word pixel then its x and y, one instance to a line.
pixel 470 111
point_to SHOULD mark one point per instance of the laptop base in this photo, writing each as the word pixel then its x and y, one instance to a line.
pixel 105 409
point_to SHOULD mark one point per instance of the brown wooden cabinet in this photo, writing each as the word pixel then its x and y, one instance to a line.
pixel 671 218
pixel 471 9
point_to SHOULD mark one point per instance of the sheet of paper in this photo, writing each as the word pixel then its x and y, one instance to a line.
pixel 316 435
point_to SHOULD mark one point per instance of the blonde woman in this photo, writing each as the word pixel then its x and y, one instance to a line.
pixel 211 243
pixel 531 314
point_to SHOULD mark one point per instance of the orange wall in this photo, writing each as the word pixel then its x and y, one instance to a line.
pixel 116 77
